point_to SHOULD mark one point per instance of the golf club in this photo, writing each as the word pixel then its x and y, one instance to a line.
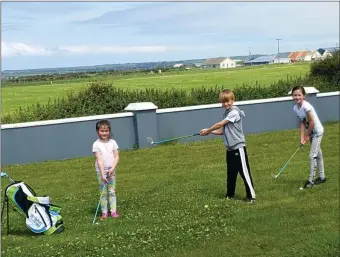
pixel 150 140
pixel 282 169
pixel 4 174
pixel 94 219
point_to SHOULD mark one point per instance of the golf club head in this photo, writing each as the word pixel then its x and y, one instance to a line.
pixel 4 174
pixel 274 176
pixel 149 140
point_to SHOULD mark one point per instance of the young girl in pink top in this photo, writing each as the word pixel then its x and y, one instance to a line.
pixel 107 158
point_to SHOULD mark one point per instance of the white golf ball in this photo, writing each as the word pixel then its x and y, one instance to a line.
pixel 206 206
pixel 97 223
pixel 301 188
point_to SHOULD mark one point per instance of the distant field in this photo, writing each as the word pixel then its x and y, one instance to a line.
pixel 28 94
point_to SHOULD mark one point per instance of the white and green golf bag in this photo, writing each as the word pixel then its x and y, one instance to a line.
pixel 42 217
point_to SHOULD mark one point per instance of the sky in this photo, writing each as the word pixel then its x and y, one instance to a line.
pixel 66 34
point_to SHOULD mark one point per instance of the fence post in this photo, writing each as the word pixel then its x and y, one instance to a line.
pixel 311 96
pixel 145 122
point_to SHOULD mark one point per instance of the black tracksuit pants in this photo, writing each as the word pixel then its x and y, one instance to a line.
pixel 237 161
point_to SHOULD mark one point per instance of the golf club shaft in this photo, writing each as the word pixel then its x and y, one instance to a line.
pixel 101 194
pixel 288 161
pixel 4 174
pixel 175 138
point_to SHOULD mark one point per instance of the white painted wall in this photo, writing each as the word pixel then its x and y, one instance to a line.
pixel 282 60
pixel 227 63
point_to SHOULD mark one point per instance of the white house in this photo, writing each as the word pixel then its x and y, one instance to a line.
pixel 219 63
pixel 327 52
pixel 308 56
pixel 316 55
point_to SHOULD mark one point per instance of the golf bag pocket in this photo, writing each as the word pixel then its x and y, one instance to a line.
pixel 41 215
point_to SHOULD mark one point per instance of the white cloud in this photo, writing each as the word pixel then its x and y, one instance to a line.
pixel 22 49
pixel 100 49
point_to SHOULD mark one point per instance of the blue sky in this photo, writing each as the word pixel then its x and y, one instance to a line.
pixel 61 34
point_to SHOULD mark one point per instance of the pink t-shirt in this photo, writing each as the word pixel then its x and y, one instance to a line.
pixel 105 148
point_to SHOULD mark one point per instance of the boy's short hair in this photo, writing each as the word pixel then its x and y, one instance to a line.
pixel 226 96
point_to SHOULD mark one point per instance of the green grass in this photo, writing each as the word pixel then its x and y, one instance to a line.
pixel 162 193
pixel 27 94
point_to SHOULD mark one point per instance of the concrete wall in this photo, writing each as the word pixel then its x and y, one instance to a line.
pixel 70 138
pixel 60 139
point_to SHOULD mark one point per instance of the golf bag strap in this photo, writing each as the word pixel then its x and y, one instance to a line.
pixel 7 217
pixel 30 188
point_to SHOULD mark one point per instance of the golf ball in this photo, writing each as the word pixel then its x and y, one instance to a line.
pixel 301 188
pixel 206 206
pixel 97 223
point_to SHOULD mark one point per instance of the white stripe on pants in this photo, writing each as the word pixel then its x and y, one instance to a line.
pixel 246 172
pixel 316 158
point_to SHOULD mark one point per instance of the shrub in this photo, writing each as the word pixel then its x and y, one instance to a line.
pixel 103 98
pixel 327 69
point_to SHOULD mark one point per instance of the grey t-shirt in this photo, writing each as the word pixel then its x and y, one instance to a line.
pixel 233 136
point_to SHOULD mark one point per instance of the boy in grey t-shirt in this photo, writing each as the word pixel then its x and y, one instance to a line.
pixel 236 156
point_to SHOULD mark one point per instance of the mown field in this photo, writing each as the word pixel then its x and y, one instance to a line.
pixel 27 94
pixel 171 201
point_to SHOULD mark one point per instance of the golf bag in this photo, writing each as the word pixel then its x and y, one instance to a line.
pixel 42 217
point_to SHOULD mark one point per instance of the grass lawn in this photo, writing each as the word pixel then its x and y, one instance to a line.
pixel 15 96
pixel 162 193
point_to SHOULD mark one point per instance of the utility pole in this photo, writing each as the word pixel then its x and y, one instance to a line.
pixel 250 54
pixel 278 49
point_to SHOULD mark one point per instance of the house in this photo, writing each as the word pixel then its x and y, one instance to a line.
pixel 327 51
pixel 282 58
pixel 308 56
pixel 298 56
pixel 265 59
pixel 316 55
pixel 219 63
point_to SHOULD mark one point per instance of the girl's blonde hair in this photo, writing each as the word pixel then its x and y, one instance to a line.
pixel 226 96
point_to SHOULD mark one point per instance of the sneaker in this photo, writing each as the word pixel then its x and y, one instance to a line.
pixel 229 197
pixel 104 216
pixel 319 181
pixel 308 184
pixel 114 214
pixel 250 200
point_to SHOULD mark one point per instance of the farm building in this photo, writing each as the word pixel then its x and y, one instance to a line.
pixel 282 58
pixel 219 63
pixel 266 59
pixel 308 56
pixel 300 56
